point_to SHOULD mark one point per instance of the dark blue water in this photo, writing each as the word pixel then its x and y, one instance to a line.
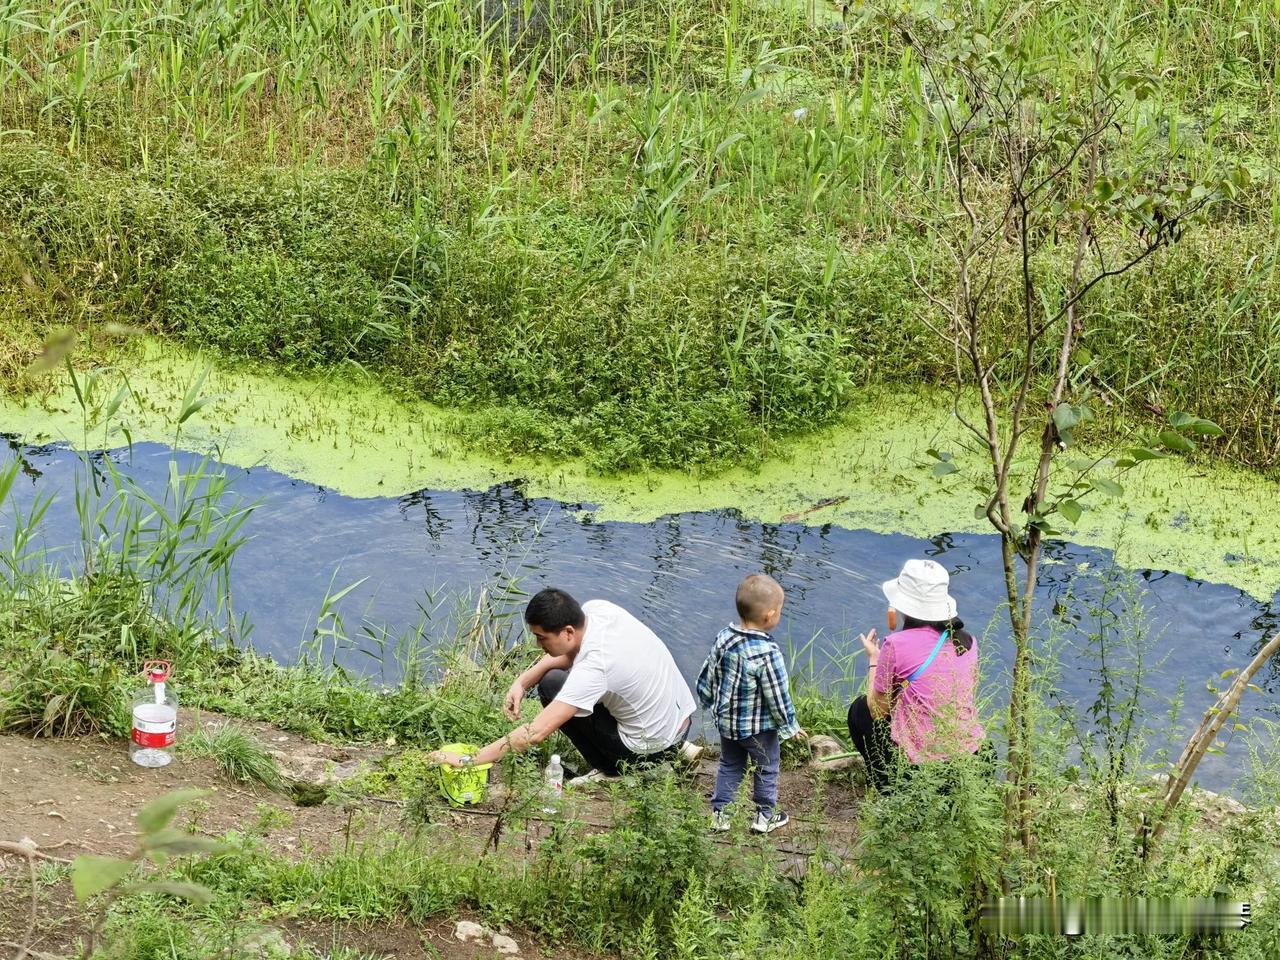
pixel 676 573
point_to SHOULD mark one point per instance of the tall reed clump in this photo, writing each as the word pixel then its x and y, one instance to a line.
pixel 150 581
pixel 150 577
pixel 645 233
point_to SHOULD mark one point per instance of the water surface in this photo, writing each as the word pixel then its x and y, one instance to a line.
pixel 677 574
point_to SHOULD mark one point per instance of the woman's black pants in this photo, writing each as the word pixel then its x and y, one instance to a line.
pixel 884 759
pixel 872 739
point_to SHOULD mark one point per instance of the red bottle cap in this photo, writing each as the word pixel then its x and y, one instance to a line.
pixel 157 671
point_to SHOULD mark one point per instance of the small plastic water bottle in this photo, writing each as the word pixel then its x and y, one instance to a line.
pixel 554 784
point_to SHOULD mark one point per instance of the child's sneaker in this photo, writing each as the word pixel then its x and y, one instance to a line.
pixel 768 822
pixel 721 821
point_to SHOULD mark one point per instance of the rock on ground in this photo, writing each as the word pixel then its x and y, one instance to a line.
pixel 467 931
pixel 823 747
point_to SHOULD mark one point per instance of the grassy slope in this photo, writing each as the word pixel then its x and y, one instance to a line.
pixel 607 227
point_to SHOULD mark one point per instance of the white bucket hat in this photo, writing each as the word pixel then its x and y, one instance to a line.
pixel 920 591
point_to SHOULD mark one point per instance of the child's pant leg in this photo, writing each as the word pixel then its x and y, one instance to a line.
pixel 765 751
pixel 733 766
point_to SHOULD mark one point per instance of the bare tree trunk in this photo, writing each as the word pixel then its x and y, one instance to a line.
pixel 1017 809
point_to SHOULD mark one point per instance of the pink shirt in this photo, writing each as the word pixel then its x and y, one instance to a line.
pixel 934 717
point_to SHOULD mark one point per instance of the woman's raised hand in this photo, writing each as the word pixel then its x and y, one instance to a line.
pixel 870 644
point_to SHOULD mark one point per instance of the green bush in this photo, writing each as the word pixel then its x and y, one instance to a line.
pixel 929 858
pixel 74 650
pixel 239 754
pixel 704 354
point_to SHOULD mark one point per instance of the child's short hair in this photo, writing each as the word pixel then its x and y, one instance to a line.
pixel 758 593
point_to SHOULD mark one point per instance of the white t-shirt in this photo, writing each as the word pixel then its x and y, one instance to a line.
pixel 623 665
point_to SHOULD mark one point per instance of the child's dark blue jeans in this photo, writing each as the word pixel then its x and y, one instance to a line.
pixel 764 751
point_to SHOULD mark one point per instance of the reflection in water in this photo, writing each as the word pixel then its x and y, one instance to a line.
pixel 677 573
pixel 942 543
pixel 18 452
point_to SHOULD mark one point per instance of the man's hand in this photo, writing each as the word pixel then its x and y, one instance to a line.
pixel 511 704
pixel 802 735
pixel 445 758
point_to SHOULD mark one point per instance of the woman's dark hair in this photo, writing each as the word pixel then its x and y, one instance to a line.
pixel 961 639
pixel 553 610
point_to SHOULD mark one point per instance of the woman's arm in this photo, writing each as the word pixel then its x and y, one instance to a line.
pixel 878 703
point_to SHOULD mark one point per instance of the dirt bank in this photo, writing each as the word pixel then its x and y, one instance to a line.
pixel 79 796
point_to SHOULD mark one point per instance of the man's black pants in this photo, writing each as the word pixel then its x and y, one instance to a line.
pixel 596 736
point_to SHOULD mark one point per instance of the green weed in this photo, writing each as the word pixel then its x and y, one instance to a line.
pixel 239 754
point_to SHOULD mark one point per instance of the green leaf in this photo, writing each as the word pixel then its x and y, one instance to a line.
pixel 195 892
pixel 1145 453
pixel 92 874
pixel 177 843
pixel 191 409
pixel 1178 419
pixel 115 403
pixel 1176 441
pixel 7 476
pixel 1070 510
pixel 1109 487
pixel 1065 416
pixel 157 814
pixel 193 403
pixel 1044 526
pixel 980 511
pixel 75 384
pixel 247 82
pixel 944 467
pixel 1206 428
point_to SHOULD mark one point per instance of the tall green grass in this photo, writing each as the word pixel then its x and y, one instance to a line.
pixel 656 884
pixel 644 232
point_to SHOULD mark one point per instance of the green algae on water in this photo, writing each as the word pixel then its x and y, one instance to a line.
pixel 1216 523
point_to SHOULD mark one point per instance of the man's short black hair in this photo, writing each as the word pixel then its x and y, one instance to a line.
pixel 552 609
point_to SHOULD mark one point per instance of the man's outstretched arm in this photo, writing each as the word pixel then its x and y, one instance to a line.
pixel 552 717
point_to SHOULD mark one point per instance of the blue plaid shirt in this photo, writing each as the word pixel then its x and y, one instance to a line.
pixel 744 685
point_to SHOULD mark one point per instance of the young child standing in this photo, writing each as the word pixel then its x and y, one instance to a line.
pixel 744 684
